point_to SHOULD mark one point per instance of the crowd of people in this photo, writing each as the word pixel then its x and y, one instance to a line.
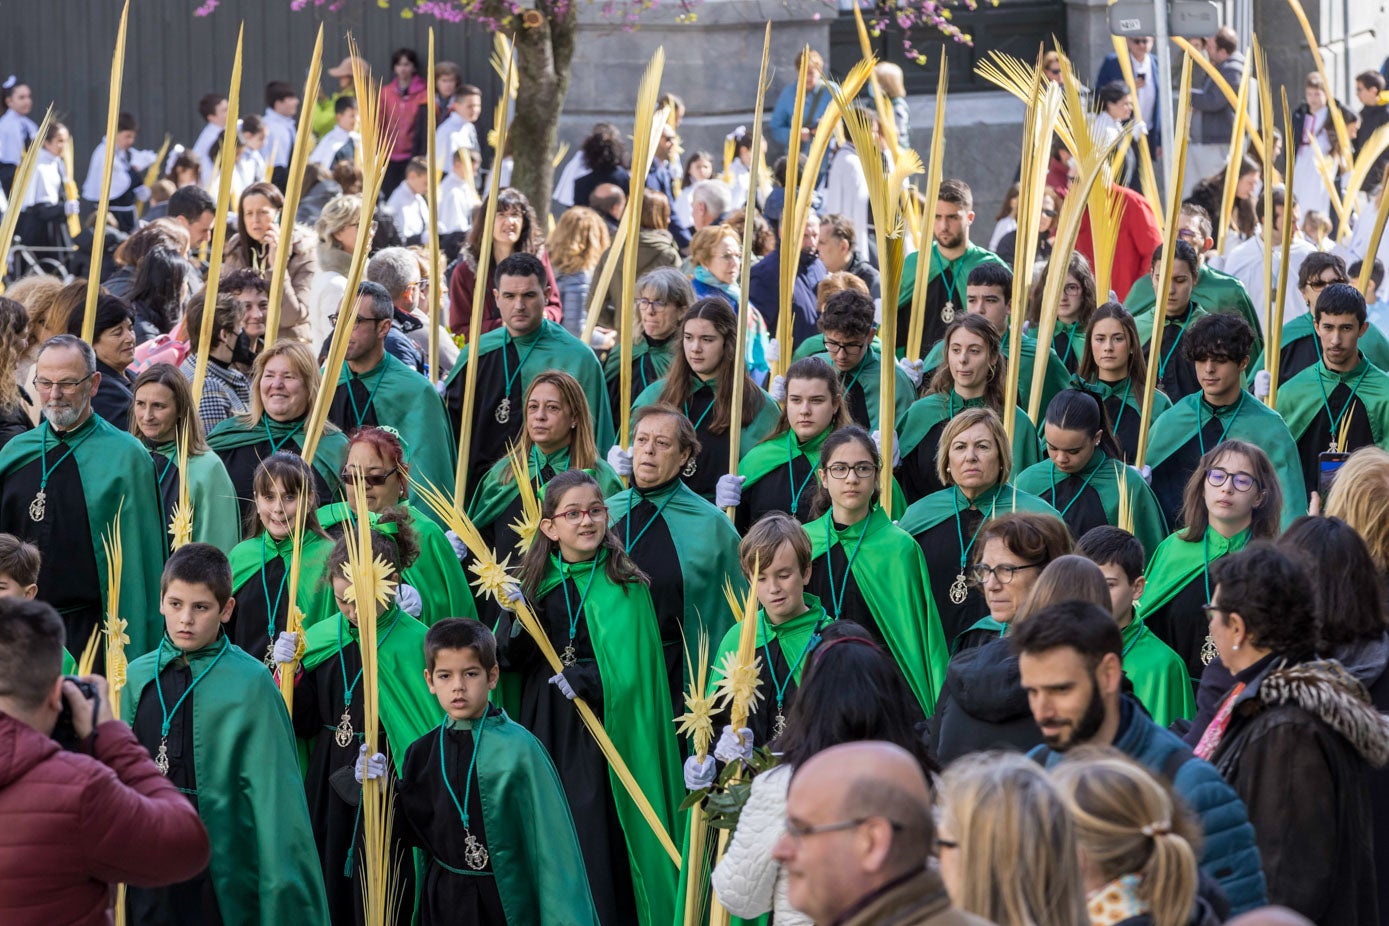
pixel 1124 663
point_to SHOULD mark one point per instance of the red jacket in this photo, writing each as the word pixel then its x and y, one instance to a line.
pixel 461 298
pixel 75 825
pixel 1139 236
pixel 398 114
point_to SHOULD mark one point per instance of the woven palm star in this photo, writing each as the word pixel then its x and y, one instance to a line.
pixel 181 525
pixel 698 720
pixel 378 580
pixel 524 528
pixel 492 577
pixel 116 640
pixel 741 682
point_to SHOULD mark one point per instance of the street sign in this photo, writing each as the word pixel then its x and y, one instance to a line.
pixel 1189 19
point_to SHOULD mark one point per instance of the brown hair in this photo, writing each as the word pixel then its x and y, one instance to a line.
pixel 1138 364
pixel 685 432
pixel 37 294
pixel 243 240
pixel 680 378
pixel 944 381
pixel 817 368
pixel 655 209
pixel 759 547
pixel 707 238
pixel 1070 577
pixel 1268 511
pixel 583 452
pixel 536 563
pixel 185 415
pixel 19 560
pixel 837 282
pixel 1032 537
pixel 227 314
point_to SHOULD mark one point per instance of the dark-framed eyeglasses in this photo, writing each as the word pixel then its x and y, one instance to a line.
pixel 65 386
pixel 1242 482
pixel 597 514
pixel 1005 573
pixel 863 470
pixel 361 319
pixel 847 347
pixel 1211 609
pixel 375 480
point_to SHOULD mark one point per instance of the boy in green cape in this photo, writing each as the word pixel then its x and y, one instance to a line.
pixel 216 726
pixel 1176 374
pixel 480 796
pixel 1158 674
pixel 847 323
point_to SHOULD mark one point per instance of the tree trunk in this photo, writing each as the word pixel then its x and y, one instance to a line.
pixel 543 55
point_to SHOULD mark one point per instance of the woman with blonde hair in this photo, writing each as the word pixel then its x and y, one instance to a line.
pixel 716 252
pixel 337 237
pixel 1360 497
pixel 17 408
pixel 38 294
pixel 576 245
pixel 1007 843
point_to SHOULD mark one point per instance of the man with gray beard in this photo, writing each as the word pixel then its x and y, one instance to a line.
pixel 67 485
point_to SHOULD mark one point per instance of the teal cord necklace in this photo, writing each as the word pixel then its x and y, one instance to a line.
pixel 161 759
pixel 837 594
pixel 474 852
pixel 790 474
pixel 781 684
pixel 343 736
pixel 358 414
pixel 1200 431
pixel 628 540
pixel 274 444
pixel 1326 402
pixel 959 589
pixel 274 609
pixel 1083 485
pixel 38 507
pixel 569 657
pixel 503 412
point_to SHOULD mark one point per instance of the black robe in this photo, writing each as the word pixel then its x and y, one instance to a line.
pixel 1317 439
pixel 250 620
pixel 1178 378
pixel 347 416
pixel 773 493
pixel 916 473
pixel 941 545
pixel 490 437
pixel 241 464
pixel 712 461
pixel 113 397
pixel 1080 505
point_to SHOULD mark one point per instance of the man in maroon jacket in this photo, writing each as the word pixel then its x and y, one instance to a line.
pixel 76 823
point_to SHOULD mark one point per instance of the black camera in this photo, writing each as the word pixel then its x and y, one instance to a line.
pixel 64 731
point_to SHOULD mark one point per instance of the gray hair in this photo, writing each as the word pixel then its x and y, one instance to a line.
pixel 666 284
pixel 340 212
pixel 76 343
pixel 397 269
pixel 382 306
pixel 716 196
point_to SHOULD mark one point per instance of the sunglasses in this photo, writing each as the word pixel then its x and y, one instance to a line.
pixel 376 481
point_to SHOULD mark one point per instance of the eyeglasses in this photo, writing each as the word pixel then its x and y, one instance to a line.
pixel 1071 289
pixel 1243 482
pixel 1320 284
pixel 376 481
pixel 64 386
pixel 862 470
pixel 980 572
pixel 646 305
pixel 1049 213
pixel 835 347
pixel 798 831
pixel 361 319
pixel 1211 609
pixel 597 513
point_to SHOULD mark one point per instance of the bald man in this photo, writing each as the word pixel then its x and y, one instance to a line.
pixel 1271 916
pixel 858 835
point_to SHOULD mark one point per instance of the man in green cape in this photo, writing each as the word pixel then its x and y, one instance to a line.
pixel 216 725
pixel 846 322
pixel 1219 346
pixel 509 357
pixel 377 389
pixel 1342 395
pixel 1176 375
pixel 953 256
pixel 64 484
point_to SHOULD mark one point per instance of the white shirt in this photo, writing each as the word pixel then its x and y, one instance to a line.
pixel 1246 263
pixel 453 133
pixel 331 143
pixel 456 203
pixel 564 186
pixel 1147 91
pixel 1308 186
pixel 279 137
pixel 202 150
pixel 248 169
pixel 15 131
pixel 131 159
pixel 46 184
pixel 846 194
pixel 410 211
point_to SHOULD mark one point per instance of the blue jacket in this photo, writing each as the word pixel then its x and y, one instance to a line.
pixel 764 291
pixel 1231 855
pixel 1110 71
pixel 816 102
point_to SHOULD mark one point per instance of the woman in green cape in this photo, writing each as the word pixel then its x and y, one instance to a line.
pixel 328 715
pixel 663 295
pixel 596 610
pixel 161 412
pixel 1232 498
pixel 866 569
pixel 973 376
pixel 700 383
pixel 261 564
pixel 1085 479
pixel 376 458
pixel 1073 312
pixel 557 437
pixel 1115 365
pixel 974 461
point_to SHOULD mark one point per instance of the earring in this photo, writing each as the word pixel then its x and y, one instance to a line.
pixel 1234 647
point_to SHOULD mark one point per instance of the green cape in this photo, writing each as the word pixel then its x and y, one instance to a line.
pixel 926 513
pixel 408 710
pixel 890 572
pixel 1158 675
pixel 327 461
pixel 406 401
pixel 264 863
pixel 498 490
pixel 929 411
pixel 868 375
pixel 1254 422
pixel 216 513
pixel 780 450
pixel 315 598
pixel 765 422
pixel 1103 472
pixel 1177 561
pixel 707 546
pixel 1218 292
pixel 1373 345
pixel 791 636
pixel 1132 397
pixel 1144 324
pixel 636 708
pixel 1302 398
pixel 973 256
pixel 1075 339
pixel 1056 378
pixel 660 360
pixel 550 347
pixel 113 464
pixel 436 574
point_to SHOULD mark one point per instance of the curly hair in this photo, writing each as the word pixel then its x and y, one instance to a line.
pixel 14 328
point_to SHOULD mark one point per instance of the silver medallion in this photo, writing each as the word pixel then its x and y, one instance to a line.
pixel 947 312
pixel 344 735
pixel 959 590
pixel 1208 651
pixel 779 724
pixel 503 412
pixel 38 505
pixel 690 468
pixel 474 852
pixel 568 657
pixel 161 761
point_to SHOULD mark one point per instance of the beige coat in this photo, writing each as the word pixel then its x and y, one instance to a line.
pixel 303 264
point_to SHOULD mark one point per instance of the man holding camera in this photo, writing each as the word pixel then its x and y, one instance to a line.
pixel 79 821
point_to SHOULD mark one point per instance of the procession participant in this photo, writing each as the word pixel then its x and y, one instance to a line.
pixel 216 726
pixel 1177 375
pixel 113 340
pixel 43 221
pixel 866 569
pixel 1115 366
pixel 1232 498
pixel 510 357
pixel 596 610
pixel 663 295
pixel 17 130
pixel 973 375
pixel 1300 347
pixel 974 463
pixel 284 385
pixel 64 483
pixel 127 174
pixel 161 415
pixel 1073 312
pixel 700 383
pixel 1085 478
pixel 846 321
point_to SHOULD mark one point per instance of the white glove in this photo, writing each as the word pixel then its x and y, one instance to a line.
pixel 896 448
pixel 1263 384
pixel 699 775
pixel 773 351
pixel 460 549
pixel 778 388
pixel 562 683
pixel 369 766
pixel 142 193
pixel 286 644
pixel 728 491
pixel 409 600
pixel 620 460
pixel 442 386
pixel 1147 473
pixel 915 369
pixel 510 597
pixel 72 207
pixel 729 748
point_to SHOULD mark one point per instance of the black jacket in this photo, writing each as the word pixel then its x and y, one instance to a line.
pixel 1301 741
pixel 982 705
pixel 113 397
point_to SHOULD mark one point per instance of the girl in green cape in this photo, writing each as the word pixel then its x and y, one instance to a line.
pixel 700 383
pixel 1232 498
pixel 866 569
pixel 376 458
pixel 1176 373
pixel 1114 363
pixel 779 473
pixel 328 714
pixel 557 437
pixel 261 565
pixel 974 461
pixel 663 295
pixel 1084 477
pixel 161 410
pixel 1073 312
pixel 973 376
pixel 596 610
